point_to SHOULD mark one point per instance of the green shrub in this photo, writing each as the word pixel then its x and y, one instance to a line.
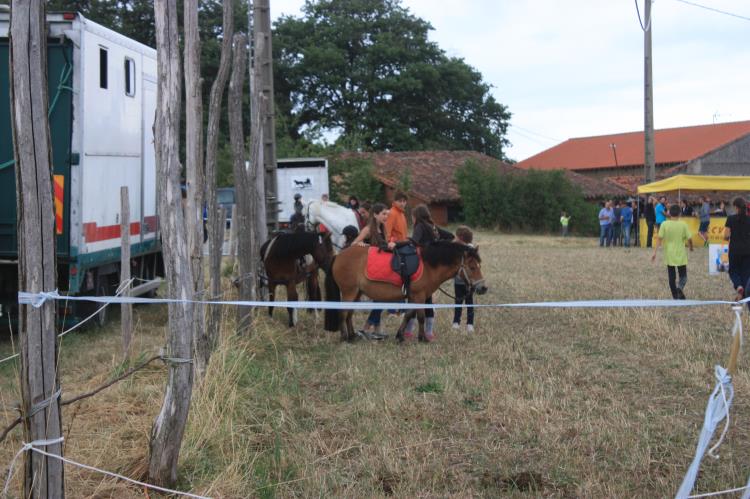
pixel 530 201
pixel 354 176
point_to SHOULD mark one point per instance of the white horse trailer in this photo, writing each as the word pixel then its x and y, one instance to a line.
pixel 305 176
pixel 102 94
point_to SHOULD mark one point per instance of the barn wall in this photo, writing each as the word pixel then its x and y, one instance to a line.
pixel 732 159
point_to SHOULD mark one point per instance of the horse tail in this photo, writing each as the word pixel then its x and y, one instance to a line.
pixel 333 293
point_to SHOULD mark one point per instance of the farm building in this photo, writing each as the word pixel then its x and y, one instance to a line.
pixel 717 149
pixel 432 181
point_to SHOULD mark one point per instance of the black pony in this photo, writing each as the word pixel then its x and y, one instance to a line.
pixel 293 257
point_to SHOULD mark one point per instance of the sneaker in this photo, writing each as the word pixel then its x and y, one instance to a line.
pixel 469 328
pixel 364 334
pixel 428 338
pixel 408 336
pixel 705 244
pixel 456 325
pixel 377 335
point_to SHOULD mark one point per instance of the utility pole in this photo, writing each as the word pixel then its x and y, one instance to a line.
pixel 648 127
pixel 262 61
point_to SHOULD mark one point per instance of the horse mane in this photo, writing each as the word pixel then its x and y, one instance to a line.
pixel 440 253
pixel 290 245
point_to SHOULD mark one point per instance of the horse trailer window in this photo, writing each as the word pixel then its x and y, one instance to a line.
pixel 129 77
pixel 102 67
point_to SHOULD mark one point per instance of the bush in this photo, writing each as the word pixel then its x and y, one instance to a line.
pixel 354 176
pixel 529 201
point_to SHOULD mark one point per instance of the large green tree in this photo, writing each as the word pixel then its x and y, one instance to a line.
pixel 366 71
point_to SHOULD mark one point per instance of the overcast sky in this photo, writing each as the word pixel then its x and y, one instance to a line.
pixel 573 69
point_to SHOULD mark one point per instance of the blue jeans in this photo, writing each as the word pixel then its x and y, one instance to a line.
pixel 374 317
pixel 626 235
pixel 605 234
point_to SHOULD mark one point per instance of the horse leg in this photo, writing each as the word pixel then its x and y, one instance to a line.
pixel 291 295
pixel 408 316
pixel 346 326
pixel 271 297
pixel 420 318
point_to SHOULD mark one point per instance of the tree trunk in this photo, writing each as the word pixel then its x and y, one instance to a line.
pixel 256 173
pixel 241 181
pixel 215 221
pixel 126 309
pixel 43 476
pixel 169 427
pixel 195 181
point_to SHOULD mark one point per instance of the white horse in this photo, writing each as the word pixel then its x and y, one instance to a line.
pixel 335 217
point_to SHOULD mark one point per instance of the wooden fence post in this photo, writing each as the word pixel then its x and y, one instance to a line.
pixel 126 309
pixel 169 427
pixel 40 390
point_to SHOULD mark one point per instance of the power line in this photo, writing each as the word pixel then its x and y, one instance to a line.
pixel 714 10
pixel 535 133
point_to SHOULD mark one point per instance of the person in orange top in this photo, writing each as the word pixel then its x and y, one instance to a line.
pixel 396 229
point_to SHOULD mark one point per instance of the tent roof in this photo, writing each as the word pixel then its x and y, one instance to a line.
pixel 697 183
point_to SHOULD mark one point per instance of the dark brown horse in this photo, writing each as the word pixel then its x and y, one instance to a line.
pixel 284 258
pixel 347 281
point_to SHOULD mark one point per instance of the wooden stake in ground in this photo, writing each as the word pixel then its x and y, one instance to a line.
pixel 241 181
pixel 169 427
pixel 43 476
pixel 216 222
pixel 126 309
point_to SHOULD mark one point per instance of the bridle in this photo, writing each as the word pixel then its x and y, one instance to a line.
pixel 464 274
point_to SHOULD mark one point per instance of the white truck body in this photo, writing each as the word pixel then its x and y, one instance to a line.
pixel 305 176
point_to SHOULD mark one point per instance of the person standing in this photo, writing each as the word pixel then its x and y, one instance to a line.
pixel 704 216
pixel 353 203
pixel 396 227
pixel 461 291
pixel 605 224
pixel 564 221
pixel 685 209
pixel 660 212
pixel 650 216
pixel 627 221
pixel 373 234
pixel 616 224
pixel 737 232
pixel 425 232
pixel 673 234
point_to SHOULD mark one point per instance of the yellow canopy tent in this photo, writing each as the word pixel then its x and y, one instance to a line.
pixel 697 183
pixel 705 183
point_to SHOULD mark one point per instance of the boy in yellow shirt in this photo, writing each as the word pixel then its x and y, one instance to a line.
pixel 673 234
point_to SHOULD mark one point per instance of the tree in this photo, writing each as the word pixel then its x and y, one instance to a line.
pixel 365 69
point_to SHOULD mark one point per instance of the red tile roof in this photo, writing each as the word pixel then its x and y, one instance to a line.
pixel 432 173
pixel 672 147
pixel 593 188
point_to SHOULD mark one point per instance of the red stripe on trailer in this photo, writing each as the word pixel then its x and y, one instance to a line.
pixel 94 233
pixel 59 193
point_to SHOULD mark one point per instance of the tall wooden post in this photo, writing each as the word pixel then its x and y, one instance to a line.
pixel 242 215
pixel 216 221
pixel 43 476
pixel 126 309
pixel 649 163
pixel 263 60
pixel 169 427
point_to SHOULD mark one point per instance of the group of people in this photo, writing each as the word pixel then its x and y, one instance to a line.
pixel 655 213
pixel 615 222
pixel 673 235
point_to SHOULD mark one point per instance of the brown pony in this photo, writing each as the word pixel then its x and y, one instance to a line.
pixel 283 258
pixel 347 281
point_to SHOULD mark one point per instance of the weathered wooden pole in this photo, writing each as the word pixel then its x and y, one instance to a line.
pixel 241 181
pixel 195 176
pixel 126 309
pixel 42 420
pixel 169 427
pixel 216 222
pixel 232 238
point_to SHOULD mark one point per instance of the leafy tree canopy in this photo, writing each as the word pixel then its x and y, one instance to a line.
pixel 365 70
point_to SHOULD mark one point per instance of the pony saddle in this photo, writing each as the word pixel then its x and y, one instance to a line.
pixel 384 266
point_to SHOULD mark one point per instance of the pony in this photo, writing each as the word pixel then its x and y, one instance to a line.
pixel 285 258
pixel 335 217
pixel 347 281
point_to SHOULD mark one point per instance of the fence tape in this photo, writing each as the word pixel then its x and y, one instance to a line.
pixel 38 299
pixel 34 447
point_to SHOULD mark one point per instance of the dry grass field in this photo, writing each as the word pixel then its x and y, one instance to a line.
pixel 536 403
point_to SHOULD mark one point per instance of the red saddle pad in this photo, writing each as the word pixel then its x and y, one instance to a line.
pixel 379 268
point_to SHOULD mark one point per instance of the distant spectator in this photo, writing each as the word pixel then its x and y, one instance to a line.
pixel 737 232
pixel 353 203
pixel 627 221
pixel 721 211
pixel 564 221
pixel 616 224
pixel 685 209
pixel 605 224
pixel 650 215
pixel 461 290
pixel 660 212
pixel 704 216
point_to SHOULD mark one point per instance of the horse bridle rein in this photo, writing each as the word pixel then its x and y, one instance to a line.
pixel 462 270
